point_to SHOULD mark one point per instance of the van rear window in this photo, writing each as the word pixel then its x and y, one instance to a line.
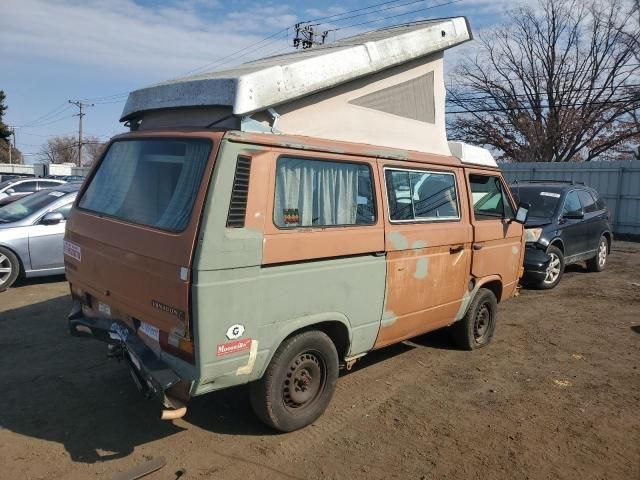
pixel 151 182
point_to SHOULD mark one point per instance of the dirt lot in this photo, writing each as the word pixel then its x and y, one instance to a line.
pixel 557 395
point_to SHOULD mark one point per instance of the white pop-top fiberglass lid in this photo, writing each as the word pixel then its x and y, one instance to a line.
pixel 472 154
pixel 265 83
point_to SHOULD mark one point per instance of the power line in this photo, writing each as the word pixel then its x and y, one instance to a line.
pixel 53 112
pixel 118 97
pixel 444 4
pixel 232 54
pixel 392 7
pixel 51 121
pixel 509 109
pixel 468 97
pixel 352 11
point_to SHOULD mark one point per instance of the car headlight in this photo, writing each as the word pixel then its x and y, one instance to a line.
pixel 532 234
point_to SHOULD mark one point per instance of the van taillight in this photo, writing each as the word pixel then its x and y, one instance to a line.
pixel 177 346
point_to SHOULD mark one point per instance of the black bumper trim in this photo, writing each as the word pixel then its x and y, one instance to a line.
pixel 536 262
pixel 154 375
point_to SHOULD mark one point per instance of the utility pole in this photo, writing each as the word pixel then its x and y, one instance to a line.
pixel 80 114
pixel 306 37
pixel 12 131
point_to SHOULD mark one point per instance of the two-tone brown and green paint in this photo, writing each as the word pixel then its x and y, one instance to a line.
pixel 367 286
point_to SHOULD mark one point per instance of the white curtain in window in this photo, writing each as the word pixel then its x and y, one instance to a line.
pixel 177 213
pixel 112 181
pixel 323 193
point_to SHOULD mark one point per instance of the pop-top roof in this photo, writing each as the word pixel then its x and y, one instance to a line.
pixel 265 83
pixel 472 154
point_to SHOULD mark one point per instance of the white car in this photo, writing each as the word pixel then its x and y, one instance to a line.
pixel 11 190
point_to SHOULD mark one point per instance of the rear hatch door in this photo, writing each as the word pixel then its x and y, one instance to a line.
pixel 129 241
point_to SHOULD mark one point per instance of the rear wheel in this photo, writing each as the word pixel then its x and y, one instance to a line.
pixel 9 268
pixel 299 382
pixel 477 327
pixel 554 270
pixel 599 262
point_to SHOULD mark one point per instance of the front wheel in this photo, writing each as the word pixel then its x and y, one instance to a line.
pixel 599 262
pixel 9 268
pixel 298 383
pixel 477 327
pixel 554 270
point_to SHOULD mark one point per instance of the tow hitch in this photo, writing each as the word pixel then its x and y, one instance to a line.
pixel 152 376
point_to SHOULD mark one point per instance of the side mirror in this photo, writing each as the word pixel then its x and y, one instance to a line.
pixel 523 213
pixel 575 215
pixel 52 218
pixel 9 191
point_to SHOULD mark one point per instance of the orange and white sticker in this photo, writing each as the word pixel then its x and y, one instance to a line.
pixel 233 347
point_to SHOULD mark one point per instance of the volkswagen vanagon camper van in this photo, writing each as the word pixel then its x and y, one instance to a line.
pixel 273 223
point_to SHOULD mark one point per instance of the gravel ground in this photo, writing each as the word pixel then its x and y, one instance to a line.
pixel 555 396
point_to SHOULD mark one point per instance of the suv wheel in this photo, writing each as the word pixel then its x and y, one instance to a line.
pixel 554 270
pixel 298 383
pixel 599 262
pixel 476 329
pixel 9 268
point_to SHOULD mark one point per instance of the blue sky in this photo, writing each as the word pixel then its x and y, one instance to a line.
pixel 55 50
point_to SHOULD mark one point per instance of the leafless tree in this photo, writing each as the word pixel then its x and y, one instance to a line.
pixel 559 83
pixel 62 149
pixel 92 150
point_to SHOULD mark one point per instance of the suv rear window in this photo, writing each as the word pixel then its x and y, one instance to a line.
pixel 151 182
pixel 588 203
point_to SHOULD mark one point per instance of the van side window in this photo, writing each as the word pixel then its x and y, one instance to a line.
pixel 419 195
pixel 490 201
pixel 323 193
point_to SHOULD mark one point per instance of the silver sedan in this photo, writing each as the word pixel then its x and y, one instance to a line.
pixel 32 232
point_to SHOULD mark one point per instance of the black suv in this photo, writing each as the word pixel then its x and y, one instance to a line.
pixel 568 223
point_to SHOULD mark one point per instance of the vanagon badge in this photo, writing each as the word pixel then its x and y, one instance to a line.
pixel 168 309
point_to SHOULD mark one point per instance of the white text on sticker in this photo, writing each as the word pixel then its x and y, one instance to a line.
pixel 150 331
pixel 72 250
pixel 104 308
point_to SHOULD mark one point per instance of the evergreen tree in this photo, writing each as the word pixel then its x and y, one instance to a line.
pixel 5 133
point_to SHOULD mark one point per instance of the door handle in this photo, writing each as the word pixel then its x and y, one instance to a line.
pixel 457 249
pixel 380 254
pixel 477 246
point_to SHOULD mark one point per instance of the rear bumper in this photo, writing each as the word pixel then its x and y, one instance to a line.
pixel 152 375
pixel 536 262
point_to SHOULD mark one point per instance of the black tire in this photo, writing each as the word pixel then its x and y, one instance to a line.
pixel 599 262
pixel 8 260
pixel 549 283
pixel 477 327
pixel 298 383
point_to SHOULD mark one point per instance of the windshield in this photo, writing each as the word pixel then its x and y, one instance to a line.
pixel 6 183
pixel 25 206
pixel 151 182
pixel 543 203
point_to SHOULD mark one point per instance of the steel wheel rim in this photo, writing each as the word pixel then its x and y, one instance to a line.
pixel 304 381
pixel 482 323
pixel 5 269
pixel 602 253
pixel 553 270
